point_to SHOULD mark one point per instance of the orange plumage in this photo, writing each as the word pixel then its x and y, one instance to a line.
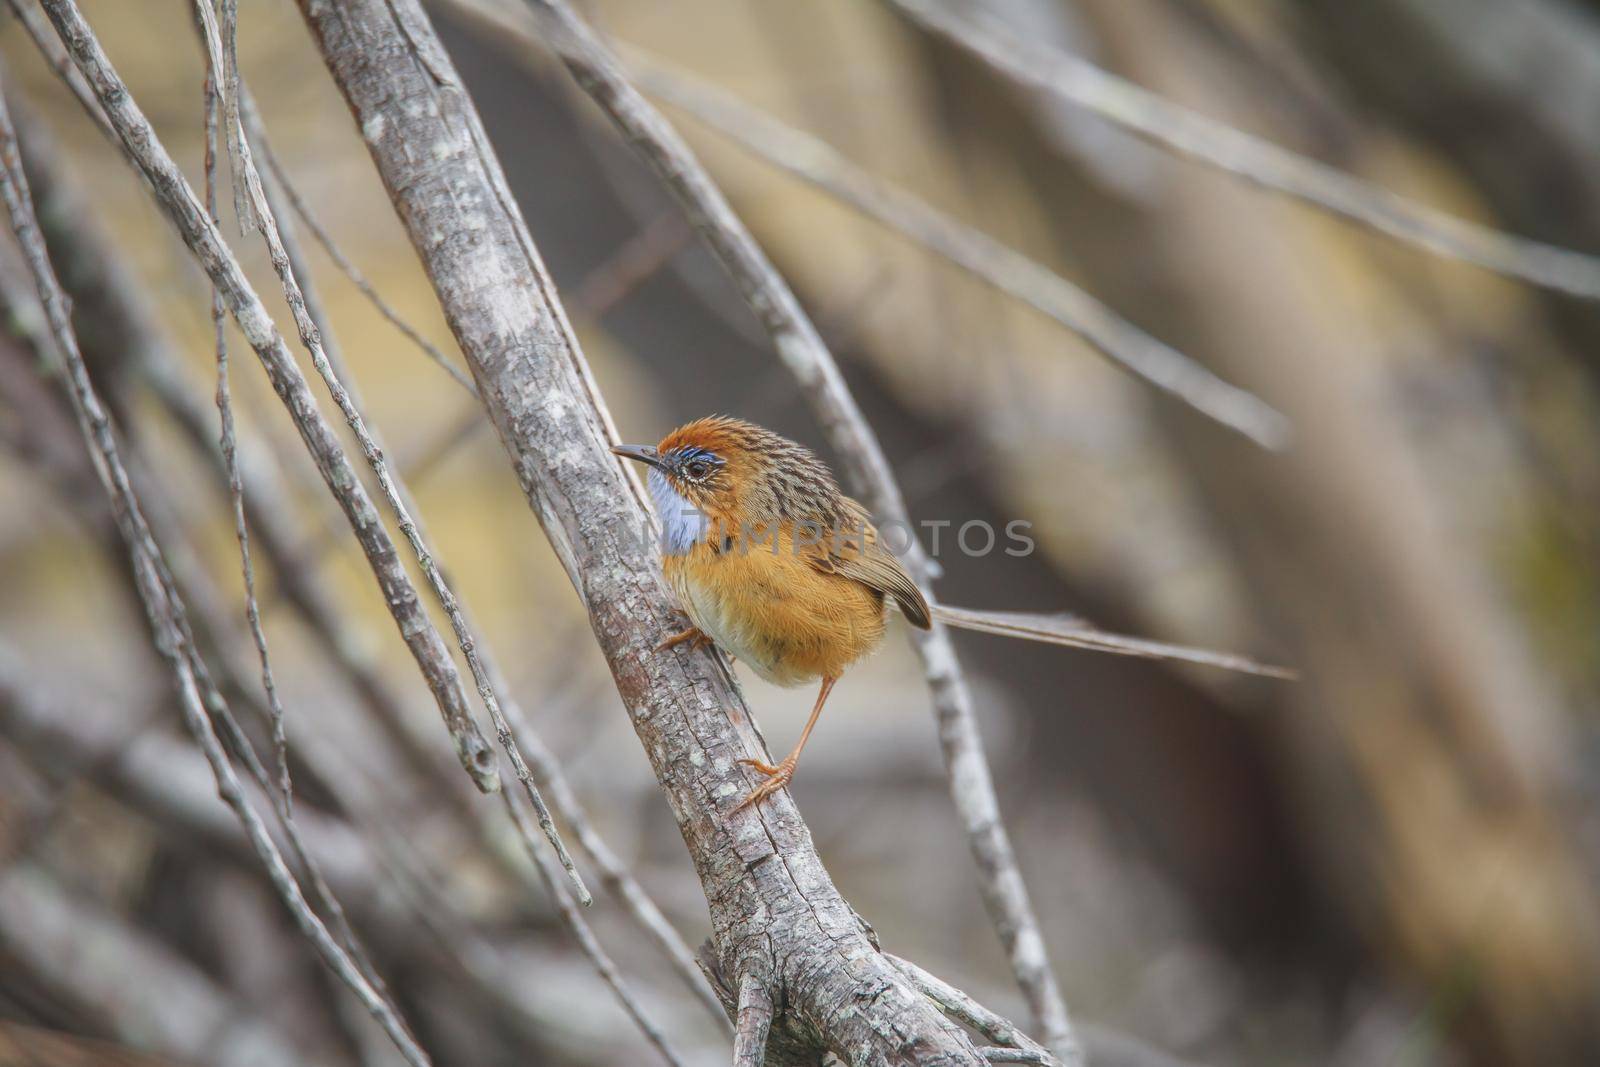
pixel 770 560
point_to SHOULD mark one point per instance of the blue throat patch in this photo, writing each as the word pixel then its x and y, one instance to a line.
pixel 682 524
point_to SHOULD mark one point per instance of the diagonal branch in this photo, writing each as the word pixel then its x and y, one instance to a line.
pixel 801 349
pixel 774 910
pixel 188 215
pixel 160 605
pixel 394 494
pixel 1216 144
pixel 974 251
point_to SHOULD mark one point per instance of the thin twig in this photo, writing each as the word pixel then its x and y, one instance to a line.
pixel 228 444
pixel 158 602
pixel 347 267
pixel 987 259
pixel 393 493
pixel 754 1022
pixel 808 359
pixel 267 506
pixel 188 215
pixel 590 945
pixel 614 874
pixel 770 900
pixel 1216 144
pixel 965 1010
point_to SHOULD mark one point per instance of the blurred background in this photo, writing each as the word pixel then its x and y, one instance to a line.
pixel 1391 862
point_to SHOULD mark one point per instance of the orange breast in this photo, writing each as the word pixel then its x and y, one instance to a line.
pixel 776 612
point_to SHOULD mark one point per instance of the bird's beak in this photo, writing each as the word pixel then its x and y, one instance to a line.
pixel 642 453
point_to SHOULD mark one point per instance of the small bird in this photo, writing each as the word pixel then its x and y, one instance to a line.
pixel 773 564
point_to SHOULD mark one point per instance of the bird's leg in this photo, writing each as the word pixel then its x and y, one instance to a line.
pixel 779 776
pixel 692 633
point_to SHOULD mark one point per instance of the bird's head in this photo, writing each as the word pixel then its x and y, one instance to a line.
pixel 721 472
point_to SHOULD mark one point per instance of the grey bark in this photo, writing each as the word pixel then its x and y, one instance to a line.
pixel 164 609
pixel 775 914
pixel 188 214
pixel 867 472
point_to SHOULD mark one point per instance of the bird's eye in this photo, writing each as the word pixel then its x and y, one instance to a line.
pixel 698 469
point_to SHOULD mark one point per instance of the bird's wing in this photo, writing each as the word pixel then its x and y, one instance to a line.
pixel 864 559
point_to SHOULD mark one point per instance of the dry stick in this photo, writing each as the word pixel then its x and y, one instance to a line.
pixel 159 605
pixel 964 1009
pixel 543 765
pixel 637 259
pixel 195 582
pixel 802 350
pixel 228 444
pixel 267 510
pixel 974 251
pixel 294 570
pixel 188 216
pixel 640 258
pixel 773 909
pixel 660 145
pixel 588 944
pixel 311 338
pixel 1216 144
pixel 302 210
pixel 1105 1048
pixel 297 281
pixel 614 875
pixel 1016 1055
pixel 159 779
pixel 754 1022
pixel 646 252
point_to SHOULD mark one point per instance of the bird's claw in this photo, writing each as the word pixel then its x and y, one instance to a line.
pixel 777 778
pixel 693 634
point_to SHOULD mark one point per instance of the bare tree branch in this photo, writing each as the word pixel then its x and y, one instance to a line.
pixel 753 1022
pixel 971 249
pixel 774 911
pixel 394 493
pixel 590 945
pixel 1259 162
pixel 660 146
pixel 159 604
pixel 801 348
pixel 348 268
pixel 188 214
pixel 637 258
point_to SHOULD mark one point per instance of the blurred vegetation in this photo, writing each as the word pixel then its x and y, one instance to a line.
pixel 1393 861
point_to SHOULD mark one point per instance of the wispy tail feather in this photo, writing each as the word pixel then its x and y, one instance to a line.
pixel 1076 633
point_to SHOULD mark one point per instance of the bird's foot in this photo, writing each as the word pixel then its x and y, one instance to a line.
pixel 693 634
pixel 777 778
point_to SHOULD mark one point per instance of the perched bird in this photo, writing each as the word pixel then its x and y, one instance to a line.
pixel 771 562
